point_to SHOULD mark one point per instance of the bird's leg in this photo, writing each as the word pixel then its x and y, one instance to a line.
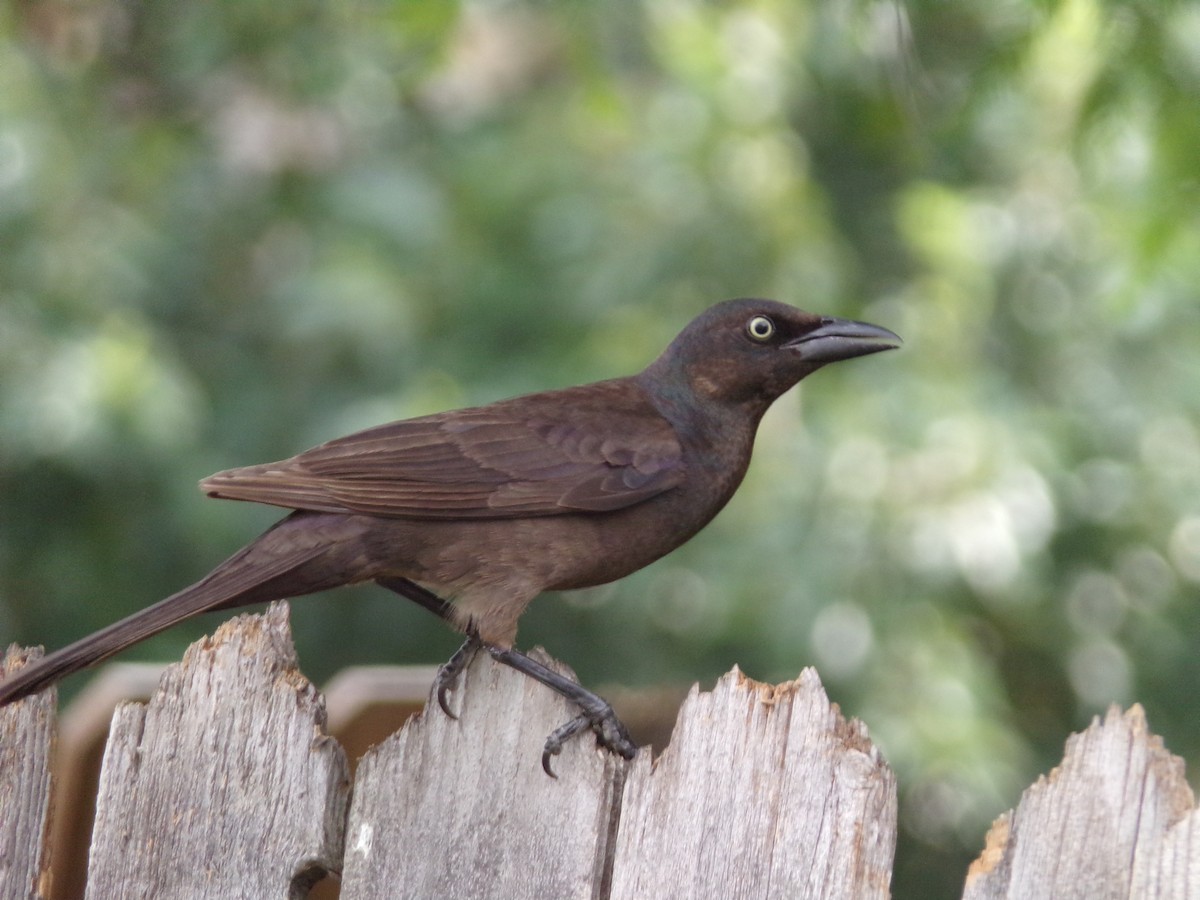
pixel 448 673
pixel 417 594
pixel 596 712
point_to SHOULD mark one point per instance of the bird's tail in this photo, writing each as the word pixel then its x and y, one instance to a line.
pixel 301 554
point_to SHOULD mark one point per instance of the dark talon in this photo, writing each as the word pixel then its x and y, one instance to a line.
pixel 442 688
pixel 612 736
pixel 447 675
pixel 559 736
pixel 595 713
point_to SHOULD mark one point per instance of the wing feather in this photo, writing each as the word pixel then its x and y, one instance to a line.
pixel 597 448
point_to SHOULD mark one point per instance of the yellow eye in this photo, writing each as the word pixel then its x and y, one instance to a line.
pixel 760 328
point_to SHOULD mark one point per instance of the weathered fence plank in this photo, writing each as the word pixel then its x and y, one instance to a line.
pixel 1115 820
pixel 82 733
pixel 26 742
pixel 764 791
pixel 448 808
pixel 224 784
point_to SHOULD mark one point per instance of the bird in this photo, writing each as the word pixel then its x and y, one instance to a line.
pixel 472 513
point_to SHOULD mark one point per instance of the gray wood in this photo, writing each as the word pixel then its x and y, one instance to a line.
pixel 26 742
pixel 447 808
pixel 82 732
pixel 764 791
pixel 1115 819
pixel 224 784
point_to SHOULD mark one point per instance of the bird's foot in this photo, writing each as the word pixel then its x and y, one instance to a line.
pixel 595 712
pixel 610 734
pixel 448 673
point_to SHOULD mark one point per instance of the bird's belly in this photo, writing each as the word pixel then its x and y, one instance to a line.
pixel 618 546
pixel 549 553
pixel 491 569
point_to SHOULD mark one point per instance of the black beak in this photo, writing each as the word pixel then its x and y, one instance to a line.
pixel 836 339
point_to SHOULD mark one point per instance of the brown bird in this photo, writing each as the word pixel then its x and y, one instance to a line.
pixel 473 513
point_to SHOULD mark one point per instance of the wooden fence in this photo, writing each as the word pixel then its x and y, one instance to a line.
pixel 227 784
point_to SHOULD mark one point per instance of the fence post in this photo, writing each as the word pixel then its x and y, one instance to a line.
pixel 26 742
pixel 764 791
pixel 225 783
pixel 462 808
pixel 1115 819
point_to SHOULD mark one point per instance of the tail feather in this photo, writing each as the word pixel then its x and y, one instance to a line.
pixel 275 566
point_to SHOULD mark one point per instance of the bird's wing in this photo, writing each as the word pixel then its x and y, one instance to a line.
pixel 596 448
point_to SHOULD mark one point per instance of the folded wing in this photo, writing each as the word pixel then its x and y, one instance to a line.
pixel 595 448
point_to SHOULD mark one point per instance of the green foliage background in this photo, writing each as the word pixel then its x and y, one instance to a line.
pixel 231 230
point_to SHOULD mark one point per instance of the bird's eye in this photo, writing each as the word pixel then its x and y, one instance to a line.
pixel 760 328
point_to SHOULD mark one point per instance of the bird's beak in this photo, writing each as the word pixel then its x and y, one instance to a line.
pixel 836 339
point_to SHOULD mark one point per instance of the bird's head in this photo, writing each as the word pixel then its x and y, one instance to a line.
pixel 749 352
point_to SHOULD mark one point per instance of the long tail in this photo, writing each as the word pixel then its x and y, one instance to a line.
pixel 301 554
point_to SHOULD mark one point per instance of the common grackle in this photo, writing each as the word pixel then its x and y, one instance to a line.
pixel 473 513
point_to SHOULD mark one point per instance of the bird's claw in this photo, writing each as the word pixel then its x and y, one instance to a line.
pixel 610 734
pixel 558 737
pixel 448 673
pixel 595 712
pixel 445 682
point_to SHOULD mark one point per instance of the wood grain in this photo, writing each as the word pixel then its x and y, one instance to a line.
pixel 224 784
pixel 27 730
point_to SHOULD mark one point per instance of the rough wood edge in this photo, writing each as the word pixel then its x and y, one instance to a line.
pixel 764 790
pixel 187 797
pixel 27 737
pixel 461 807
pixel 1115 818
